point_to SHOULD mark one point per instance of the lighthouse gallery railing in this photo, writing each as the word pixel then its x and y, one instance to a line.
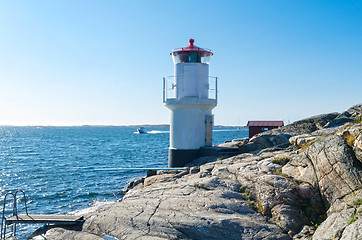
pixel 170 88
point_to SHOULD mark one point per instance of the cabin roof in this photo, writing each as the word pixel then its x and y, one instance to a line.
pixel 265 123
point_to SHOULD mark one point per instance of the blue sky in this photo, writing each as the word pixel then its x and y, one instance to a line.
pixel 102 62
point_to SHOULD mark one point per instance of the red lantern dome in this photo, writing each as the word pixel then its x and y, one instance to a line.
pixel 191 54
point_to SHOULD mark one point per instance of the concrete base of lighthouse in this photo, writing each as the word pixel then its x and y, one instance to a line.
pixel 181 157
pixel 190 129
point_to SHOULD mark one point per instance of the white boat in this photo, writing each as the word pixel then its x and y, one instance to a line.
pixel 141 130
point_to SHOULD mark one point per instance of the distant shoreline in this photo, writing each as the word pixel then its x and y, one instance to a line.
pixel 135 126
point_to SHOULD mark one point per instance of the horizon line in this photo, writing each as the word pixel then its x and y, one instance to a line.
pixel 105 125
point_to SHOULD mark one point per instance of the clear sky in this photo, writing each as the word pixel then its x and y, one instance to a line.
pixel 102 62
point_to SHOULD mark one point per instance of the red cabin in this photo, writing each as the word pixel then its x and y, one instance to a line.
pixel 256 127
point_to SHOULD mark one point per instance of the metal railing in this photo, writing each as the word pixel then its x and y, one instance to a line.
pixel 213 88
pixel 15 213
pixel 170 89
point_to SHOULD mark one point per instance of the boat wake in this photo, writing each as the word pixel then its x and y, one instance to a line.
pixel 153 132
pixel 156 132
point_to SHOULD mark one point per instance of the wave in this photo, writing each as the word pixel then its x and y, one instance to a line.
pixel 94 206
pixel 226 130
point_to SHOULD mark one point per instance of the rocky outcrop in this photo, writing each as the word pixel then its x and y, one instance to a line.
pixel 352 112
pixel 329 165
pixel 334 225
pixel 62 234
pixel 283 201
pixel 302 181
pixel 301 140
pixel 263 141
pixel 332 164
pixel 308 125
pixel 357 146
pixel 338 122
pixel 280 137
pixel 242 197
pixel 183 206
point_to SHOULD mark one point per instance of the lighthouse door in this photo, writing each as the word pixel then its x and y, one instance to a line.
pixel 208 137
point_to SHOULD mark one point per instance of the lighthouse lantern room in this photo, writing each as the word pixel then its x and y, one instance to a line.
pixel 190 94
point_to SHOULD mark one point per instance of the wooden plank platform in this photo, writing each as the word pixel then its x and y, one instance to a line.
pixel 50 219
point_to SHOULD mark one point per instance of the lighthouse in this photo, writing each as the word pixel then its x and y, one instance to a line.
pixel 190 94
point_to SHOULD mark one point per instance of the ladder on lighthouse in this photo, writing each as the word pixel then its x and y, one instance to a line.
pixel 12 221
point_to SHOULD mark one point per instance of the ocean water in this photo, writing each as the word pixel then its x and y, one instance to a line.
pixel 60 168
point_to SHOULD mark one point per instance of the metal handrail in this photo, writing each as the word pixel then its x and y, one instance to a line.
pixel 15 213
pixel 3 219
pixel 16 208
pixel 166 89
pixel 26 207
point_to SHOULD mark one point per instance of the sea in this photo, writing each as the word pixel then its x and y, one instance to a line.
pixel 72 170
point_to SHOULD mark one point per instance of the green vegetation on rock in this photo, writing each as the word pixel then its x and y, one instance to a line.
pixel 280 160
pixel 353 220
pixel 248 197
pixel 357 202
pixel 358 118
pixel 278 171
pixel 308 144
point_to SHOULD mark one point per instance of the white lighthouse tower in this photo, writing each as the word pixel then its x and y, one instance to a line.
pixel 190 95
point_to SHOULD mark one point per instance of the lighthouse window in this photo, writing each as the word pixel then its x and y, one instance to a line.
pixel 206 59
pixel 184 57
pixel 194 57
pixel 180 57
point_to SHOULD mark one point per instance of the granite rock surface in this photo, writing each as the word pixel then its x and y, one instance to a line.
pixel 301 181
